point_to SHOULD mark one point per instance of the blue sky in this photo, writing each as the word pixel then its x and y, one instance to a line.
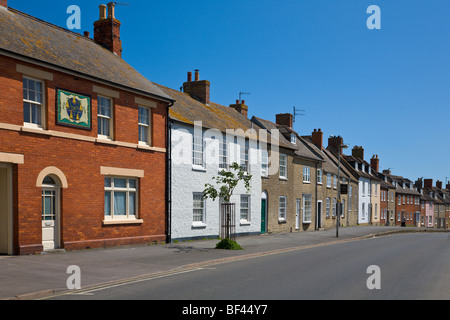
pixel 386 90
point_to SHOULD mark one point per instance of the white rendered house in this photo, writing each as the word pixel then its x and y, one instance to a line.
pixel 205 139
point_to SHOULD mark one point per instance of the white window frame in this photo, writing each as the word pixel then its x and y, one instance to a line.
pixel 306 174
pixel 244 156
pixel 328 207
pixel 283 165
pixel 40 105
pixel 245 210
pixel 147 126
pixel 202 221
pixel 335 180
pixel 224 154
pixel 282 210
pixel 293 138
pixel 128 189
pixel 307 209
pixel 334 207
pixel 319 176
pixel 198 151
pixel 102 116
pixel 264 163
pixel 328 180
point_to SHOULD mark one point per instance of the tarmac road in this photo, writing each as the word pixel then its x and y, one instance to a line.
pixel 37 276
pixel 411 266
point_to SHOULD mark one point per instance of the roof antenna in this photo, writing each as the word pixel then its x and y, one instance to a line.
pixel 298 112
pixel 241 94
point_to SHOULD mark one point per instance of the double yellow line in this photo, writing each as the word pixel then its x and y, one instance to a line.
pixel 122 282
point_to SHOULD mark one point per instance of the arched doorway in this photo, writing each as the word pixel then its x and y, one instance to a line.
pixel 50 213
pixel 264 199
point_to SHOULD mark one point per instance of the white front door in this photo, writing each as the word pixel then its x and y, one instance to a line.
pixel 297 214
pixel 50 215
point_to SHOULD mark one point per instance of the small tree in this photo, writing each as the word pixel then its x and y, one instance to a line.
pixel 226 183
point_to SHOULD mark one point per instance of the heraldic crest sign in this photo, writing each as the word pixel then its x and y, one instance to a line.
pixel 73 110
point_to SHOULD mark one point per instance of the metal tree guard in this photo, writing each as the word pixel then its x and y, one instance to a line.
pixel 228 221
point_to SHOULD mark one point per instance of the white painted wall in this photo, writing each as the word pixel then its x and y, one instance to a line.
pixel 186 180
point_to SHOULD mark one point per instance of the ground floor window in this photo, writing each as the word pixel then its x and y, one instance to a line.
pixel 120 198
pixel 307 208
pixel 245 207
pixel 198 208
pixel 282 202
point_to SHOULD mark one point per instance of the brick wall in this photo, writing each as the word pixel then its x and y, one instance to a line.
pixel 82 203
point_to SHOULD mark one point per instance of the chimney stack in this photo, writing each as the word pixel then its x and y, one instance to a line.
pixel 199 90
pixel 285 119
pixel 4 3
pixel 448 186
pixel 419 183
pixel 317 138
pixel 335 143
pixel 358 152
pixel 439 184
pixel 375 163
pixel 107 30
pixel 240 107
pixel 428 183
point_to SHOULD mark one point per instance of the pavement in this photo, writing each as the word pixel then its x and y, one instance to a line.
pixel 37 276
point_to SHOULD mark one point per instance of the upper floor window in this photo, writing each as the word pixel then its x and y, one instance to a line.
pixel 293 138
pixel 283 166
pixel 244 156
pixel 306 174
pixel 329 180
pixel 105 115
pixel 33 102
pixel 223 154
pixel 144 125
pixel 319 176
pixel 264 163
pixel 197 151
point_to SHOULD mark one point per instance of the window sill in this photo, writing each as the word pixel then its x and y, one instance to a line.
pixel 199 225
pixel 125 221
pixel 307 182
pixel 198 168
pixel 284 178
pixel 282 221
pixel 245 223
pixel 307 222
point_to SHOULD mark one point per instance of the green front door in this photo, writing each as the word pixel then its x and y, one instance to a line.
pixel 263 216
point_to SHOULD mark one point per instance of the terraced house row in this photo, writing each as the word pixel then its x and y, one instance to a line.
pixel 93 154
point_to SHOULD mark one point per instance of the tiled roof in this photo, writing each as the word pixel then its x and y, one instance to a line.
pixel 213 116
pixel 25 36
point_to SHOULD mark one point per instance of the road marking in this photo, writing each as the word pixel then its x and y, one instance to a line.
pixel 109 285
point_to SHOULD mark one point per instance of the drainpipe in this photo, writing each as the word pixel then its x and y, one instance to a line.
pixel 169 175
pixel 317 215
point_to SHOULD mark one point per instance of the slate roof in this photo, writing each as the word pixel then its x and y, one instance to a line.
pixel 27 36
pixel 302 149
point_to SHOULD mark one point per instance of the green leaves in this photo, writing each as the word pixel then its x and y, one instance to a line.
pixel 227 182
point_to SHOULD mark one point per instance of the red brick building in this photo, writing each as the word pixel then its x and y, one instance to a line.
pixel 83 139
